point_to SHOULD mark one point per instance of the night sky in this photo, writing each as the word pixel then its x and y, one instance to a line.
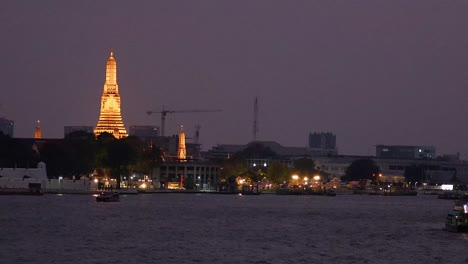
pixel 370 71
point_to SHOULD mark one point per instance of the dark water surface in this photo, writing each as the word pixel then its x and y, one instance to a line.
pixel 207 228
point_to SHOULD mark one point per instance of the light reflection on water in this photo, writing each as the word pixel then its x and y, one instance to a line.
pixel 188 228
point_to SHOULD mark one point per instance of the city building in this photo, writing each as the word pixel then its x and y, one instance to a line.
pixel 322 144
pixel 175 171
pixel 282 153
pixel 204 175
pixel 147 134
pixel 70 129
pixel 441 170
pixel 405 152
pixel 110 118
pixel 7 126
pixel 222 151
pixel 393 170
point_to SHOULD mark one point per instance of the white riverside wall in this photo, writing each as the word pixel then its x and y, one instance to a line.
pixel 76 185
pixel 21 177
pixel 52 184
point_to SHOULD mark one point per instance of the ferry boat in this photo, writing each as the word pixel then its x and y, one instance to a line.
pixel 457 218
pixel 108 197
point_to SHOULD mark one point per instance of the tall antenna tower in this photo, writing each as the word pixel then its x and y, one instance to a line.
pixel 255 121
pixel 197 141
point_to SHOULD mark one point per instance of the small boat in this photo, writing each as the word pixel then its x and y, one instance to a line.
pixel 250 193
pixel 457 218
pixel 108 197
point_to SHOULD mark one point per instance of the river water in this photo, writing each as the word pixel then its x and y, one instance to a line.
pixel 208 228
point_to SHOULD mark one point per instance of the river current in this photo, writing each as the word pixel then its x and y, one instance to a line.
pixel 209 228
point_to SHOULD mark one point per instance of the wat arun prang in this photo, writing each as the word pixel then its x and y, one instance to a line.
pixel 110 118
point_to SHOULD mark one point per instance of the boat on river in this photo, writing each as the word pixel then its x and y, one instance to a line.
pixel 457 218
pixel 108 197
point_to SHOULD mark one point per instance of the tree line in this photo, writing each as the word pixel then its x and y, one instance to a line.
pixel 80 153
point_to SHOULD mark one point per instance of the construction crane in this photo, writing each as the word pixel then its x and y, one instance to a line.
pixel 164 112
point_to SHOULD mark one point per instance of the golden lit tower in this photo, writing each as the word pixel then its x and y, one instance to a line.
pixel 37 130
pixel 181 151
pixel 110 118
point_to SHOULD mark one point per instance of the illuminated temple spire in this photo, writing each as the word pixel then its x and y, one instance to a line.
pixel 37 130
pixel 181 151
pixel 110 118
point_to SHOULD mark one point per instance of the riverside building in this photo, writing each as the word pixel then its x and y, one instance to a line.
pixel 175 171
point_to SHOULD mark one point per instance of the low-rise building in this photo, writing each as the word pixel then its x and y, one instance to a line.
pixel 405 152
pixel 435 171
pixel 204 175
pixel 322 144
pixel 70 129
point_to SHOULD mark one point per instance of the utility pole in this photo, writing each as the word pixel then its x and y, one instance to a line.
pixel 255 121
pixel 197 141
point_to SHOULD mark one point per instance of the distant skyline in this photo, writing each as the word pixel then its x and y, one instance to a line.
pixel 371 71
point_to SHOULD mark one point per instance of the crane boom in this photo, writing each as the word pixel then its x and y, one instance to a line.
pixel 164 112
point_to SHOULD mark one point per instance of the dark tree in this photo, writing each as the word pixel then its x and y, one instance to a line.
pixel 82 147
pixel 189 184
pixel 305 166
pixel 148 158
pixel 415 173
pixel 6 145
pixel 361 169
pixel 17 152
pixel 138 154
pixel 278 173
pixel 58 159
pixel 232 183
pixel 103 142
pixel 120 154
pixel 256 150
pixel 233 168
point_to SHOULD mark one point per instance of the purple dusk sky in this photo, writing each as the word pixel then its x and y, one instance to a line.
pixel 370 71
